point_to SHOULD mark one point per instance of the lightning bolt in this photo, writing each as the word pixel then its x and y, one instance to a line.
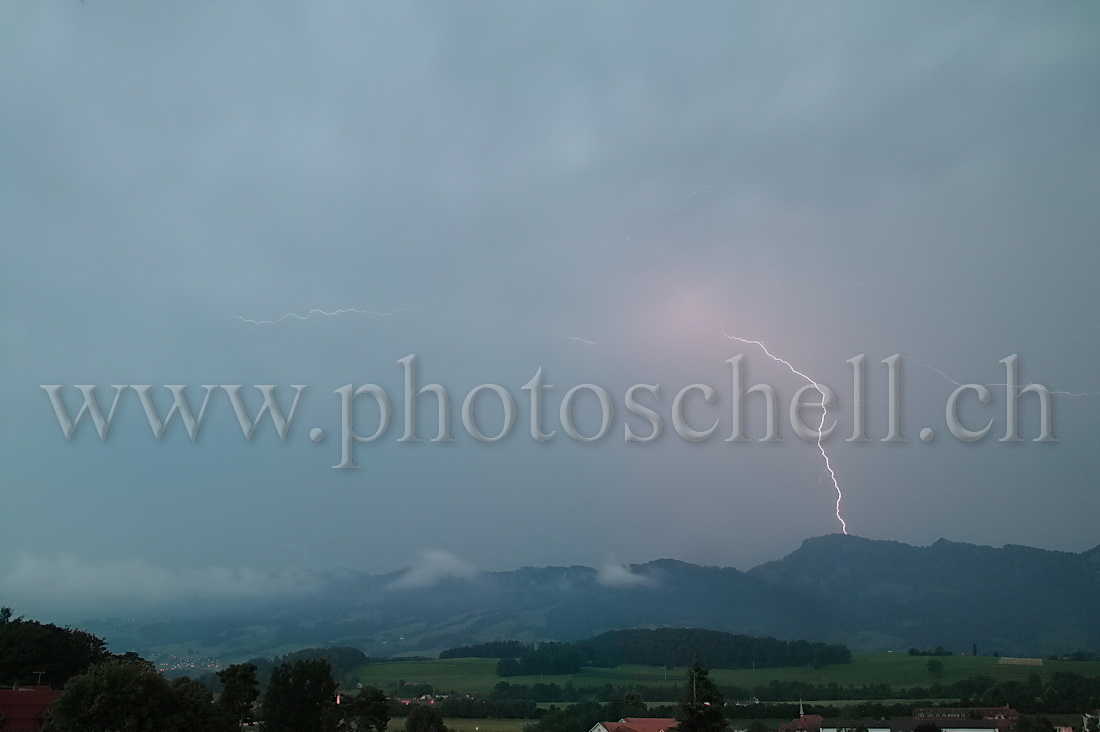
pixel 318 311
pixel 1018 386
pixel 575 338
pixel 820 426
pixel 342 311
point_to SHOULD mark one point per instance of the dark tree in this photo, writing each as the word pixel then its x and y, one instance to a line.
pixel 935 667
pixel 344 661
pixel 423 718
pixel 996 696
pixel 121 694
pixel 193 709
pixel 633 706
pixel 240 689
pixel 127 693
pixel 580 716
pixel 367 711
pixel 927 727
pixel 703 707
pixel 301 697
pixel 27 646
pixel 1028 723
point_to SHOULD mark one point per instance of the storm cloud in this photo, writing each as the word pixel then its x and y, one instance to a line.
pixel 597 190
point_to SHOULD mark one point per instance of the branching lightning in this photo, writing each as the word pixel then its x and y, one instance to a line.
pixel 575 338
pixel 318 311
pixel 820 426
pixel 375 313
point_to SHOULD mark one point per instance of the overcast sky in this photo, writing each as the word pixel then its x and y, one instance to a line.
pixel 596 189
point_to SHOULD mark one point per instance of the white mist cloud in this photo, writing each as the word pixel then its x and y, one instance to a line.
pixel 432 566
pixel 52 581
pixel 613 574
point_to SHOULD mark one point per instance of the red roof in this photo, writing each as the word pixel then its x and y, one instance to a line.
pixel 23 709
pixel 641 724
pixel 805 723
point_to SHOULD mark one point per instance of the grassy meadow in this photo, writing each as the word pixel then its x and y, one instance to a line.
pixel 477 675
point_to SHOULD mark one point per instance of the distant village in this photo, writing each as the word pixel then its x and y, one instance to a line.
pixel 924 719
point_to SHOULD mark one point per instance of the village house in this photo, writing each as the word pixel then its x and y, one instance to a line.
pixel 637 724
pixel 26 708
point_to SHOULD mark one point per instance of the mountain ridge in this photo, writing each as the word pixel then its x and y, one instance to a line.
pixel 869 594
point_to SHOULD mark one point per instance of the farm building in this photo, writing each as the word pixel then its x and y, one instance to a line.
pixel 637 724
pixel 26 708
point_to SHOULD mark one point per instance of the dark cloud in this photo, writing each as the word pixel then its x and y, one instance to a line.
pixel 833 179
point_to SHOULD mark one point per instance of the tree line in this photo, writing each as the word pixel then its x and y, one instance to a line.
pixel 1061 691
pixel 657 647
pixel 680 646
pixel 545 658
pixel 492 649
pixel 128 693
pixel 344 661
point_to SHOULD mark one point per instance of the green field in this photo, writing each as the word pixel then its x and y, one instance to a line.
pixel 477 675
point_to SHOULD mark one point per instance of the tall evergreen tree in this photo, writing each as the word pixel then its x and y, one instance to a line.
pixel 703 707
